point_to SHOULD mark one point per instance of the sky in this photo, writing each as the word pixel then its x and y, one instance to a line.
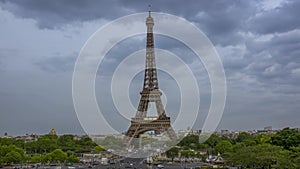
pixel 258 43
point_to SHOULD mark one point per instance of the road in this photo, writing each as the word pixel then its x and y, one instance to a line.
pixel 138 163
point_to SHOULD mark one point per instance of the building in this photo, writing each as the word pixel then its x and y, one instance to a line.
pixel 52 132
pixel 28 137
pixel 188 132
pixel 268 128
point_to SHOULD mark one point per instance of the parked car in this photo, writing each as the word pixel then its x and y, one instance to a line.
pixel 160 166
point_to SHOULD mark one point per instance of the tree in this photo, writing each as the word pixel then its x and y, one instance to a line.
pixel 18 143
pixel 240 156
pixel 263 138
pixel 172 153
pixel 13 157
pixel 187 153
pixel 85 144
pixel 202 147
pixel 213 140
pixel 189 140
pixel 73 159
pixel 295 156
pixel 111 142
pixel 31 147
pixel 46 158
pixel 11 154
pixel 223 146
pixel 35 159
pixel 266 154
pixel 285 160
pixel 67 142
pixel 243 137
pixel 98 149
pixel 47 143
pixel 11 141
pixel 257 156
pixel 58 156
pixel 286 138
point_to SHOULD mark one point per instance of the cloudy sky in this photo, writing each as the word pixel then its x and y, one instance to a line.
pixel 258 43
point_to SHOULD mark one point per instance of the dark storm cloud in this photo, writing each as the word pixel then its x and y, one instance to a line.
pixel 281 19
pixel 89 10
pixel 222 21
pixel 219 19
pixel 275 60
pixel 53 14
pixel 285 48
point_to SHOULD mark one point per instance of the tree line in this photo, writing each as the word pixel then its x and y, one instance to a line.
pixel 46 149
pixel 280 150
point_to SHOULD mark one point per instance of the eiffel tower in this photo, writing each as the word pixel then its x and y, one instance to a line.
pixel 150 93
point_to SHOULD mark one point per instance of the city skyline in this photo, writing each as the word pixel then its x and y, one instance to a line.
pixel 52 131
pixel 258 43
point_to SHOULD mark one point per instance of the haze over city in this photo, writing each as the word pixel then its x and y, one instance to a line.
pixel 258 43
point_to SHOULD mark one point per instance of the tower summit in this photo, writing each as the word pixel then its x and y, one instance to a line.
pixel 149 22
pixel 150 93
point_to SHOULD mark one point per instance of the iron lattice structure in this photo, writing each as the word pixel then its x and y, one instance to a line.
pixel 150 93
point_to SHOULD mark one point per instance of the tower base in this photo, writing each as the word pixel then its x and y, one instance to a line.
pixel 158 124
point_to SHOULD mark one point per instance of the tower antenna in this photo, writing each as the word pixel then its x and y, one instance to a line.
pixel 149 7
